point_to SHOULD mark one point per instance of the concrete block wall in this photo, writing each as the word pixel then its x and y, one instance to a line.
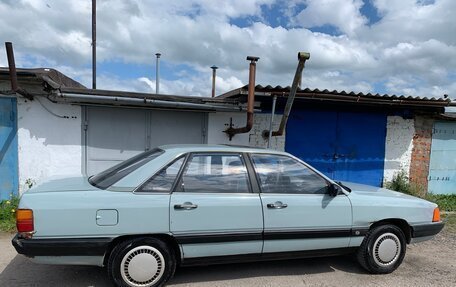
pixel 398 146
pixel 421 152
pixel 261 123
pixel 218 122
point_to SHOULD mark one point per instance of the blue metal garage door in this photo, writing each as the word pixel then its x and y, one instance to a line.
pixel 8 148
pixel 348 146
pixel 442 167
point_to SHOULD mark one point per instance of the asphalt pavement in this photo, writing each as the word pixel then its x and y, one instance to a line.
pixel 431 263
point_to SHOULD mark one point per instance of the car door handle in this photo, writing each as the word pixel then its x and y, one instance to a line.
pixel 185 206
pixel 277 205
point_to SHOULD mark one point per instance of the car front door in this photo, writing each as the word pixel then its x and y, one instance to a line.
pixel 299 214
pixel 213 211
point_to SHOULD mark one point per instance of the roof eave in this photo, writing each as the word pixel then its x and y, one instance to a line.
pixel 360 98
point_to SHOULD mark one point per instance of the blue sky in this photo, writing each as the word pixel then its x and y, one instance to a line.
pixel 376 46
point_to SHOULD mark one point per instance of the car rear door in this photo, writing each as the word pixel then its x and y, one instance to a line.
pixel 299 214
pixel 213 211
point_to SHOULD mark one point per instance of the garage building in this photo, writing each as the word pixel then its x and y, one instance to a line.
pixel 364 138
pixel 65 129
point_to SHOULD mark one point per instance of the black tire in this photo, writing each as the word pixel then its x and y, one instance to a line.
pixel 382 249
pixel 132 253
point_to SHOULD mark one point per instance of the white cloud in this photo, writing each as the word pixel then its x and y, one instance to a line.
pixel 201 86
pixel 411 49
pixel 228 84
pixel 408 21
pixel 342 14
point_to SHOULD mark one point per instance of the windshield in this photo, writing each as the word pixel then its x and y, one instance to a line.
pixel 113 174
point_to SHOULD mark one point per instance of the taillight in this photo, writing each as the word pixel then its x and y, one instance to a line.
pixel 24 220
pixel 436 216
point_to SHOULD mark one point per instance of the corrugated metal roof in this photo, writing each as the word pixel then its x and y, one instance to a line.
pixel 53 78
pixel 318 94
pixel 280 89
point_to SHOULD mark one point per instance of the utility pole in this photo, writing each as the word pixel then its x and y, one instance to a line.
pixel 94 44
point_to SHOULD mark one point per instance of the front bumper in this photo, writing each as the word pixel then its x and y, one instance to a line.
pixel 61 246
pixel 426 230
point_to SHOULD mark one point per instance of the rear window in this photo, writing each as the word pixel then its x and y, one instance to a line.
pixel 113 174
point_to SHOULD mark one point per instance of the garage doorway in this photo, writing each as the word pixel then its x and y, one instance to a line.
pixel 112 135
pixel 347 146
pixel 8 148
pixel 442 166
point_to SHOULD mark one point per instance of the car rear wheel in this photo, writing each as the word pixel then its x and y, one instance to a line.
pixel 382 250
pixel 141 262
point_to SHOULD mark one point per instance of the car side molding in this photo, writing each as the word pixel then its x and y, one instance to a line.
pixel 266 256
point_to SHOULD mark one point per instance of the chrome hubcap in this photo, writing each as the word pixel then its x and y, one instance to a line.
pixel 142 266
pixel 387 249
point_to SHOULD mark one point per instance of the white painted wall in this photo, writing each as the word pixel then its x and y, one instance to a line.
pixel 261 123
pixel 218 122
pixel 48 145
pixel 398 146
pixel 51 146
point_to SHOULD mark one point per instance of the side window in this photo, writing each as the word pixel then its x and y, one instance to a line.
pixel 163 180
pixel 223 173
pixel 282 174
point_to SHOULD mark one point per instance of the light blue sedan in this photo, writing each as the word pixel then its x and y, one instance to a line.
pixel 200 204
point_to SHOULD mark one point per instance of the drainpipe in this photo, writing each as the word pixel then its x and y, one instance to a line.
pixel 13 73
pixel 157 74
pixel 274 101
pixel 231 132
pixel 302 57
pixel 214 68
pixel 114 100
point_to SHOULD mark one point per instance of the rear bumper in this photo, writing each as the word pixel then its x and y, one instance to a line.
pixel 61 246
pixel 426 230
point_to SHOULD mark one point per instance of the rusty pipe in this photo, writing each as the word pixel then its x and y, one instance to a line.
pixel 13 73
pixel 231 132
pixel 11 65
pixel 302 57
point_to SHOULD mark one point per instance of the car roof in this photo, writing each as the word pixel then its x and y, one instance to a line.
pixel 179 148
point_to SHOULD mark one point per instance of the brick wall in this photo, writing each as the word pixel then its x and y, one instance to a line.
pixel 421 152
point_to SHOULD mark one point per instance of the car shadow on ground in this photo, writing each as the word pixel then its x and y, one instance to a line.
pixel 22 272
pixel 296 267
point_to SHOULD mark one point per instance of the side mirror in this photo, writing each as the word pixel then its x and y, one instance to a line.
pixel 334 189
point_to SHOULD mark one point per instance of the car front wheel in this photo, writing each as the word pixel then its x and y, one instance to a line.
pixel 382 250
pixel 141 262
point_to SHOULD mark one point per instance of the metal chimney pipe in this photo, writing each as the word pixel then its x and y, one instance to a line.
pixel 94 44
pixel 13 73
pixel 302 58
pixel 250 101
pixel 157 74
pixel 11 65
pixel 214 68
